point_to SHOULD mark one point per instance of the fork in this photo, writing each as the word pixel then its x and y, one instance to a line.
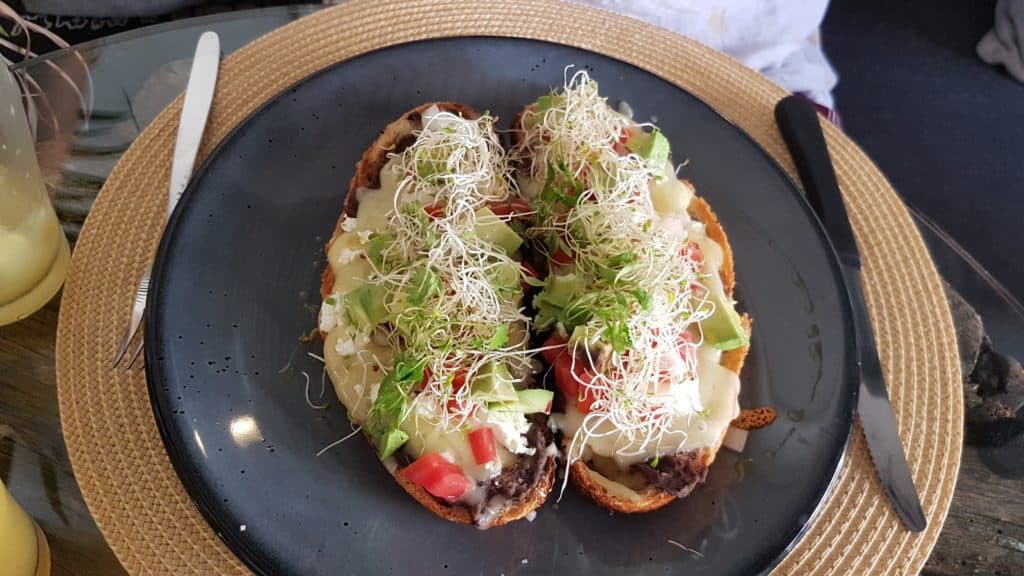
pixel 198 96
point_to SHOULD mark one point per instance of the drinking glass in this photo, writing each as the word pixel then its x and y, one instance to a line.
pixel 34 252
pixel 23 548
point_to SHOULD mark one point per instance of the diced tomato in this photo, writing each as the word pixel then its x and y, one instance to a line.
pixel 438 476
pixel 514 206
pixel 570 379
pixel 529 269
pixel 692 251
pixel 550 352
pixel 434 210
pixel 481 441
pixel 563 377
pixel 561 257
pixel 459 380
pixel 620 146
pixel 530 272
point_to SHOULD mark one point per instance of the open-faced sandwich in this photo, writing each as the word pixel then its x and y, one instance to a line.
pixel 644 344
pixel 425 337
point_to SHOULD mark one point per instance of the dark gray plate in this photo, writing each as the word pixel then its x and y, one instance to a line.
pixel 236 281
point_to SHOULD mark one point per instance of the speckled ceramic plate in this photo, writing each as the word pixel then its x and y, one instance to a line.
pixel 236 282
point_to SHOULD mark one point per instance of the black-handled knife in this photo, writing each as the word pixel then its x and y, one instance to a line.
pixel 798 122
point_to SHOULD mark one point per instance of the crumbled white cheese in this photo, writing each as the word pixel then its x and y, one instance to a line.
pixel 509 428
pixel 329 313
pixel 346 256
pixel 350 342
pixel 349 224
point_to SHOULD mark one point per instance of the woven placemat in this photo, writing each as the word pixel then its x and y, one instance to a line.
pixel 118 457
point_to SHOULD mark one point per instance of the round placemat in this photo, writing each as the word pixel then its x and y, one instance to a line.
pixel 116 451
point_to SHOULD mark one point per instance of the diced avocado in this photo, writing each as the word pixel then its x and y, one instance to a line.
pixel 548 101
pixel 391 440
pixel 491 229
pixel 652 146
pixel 562 289
pixel 587 335
pixel 529 402
pixel 723 329
pixel 493 383
pixel 365 307
pixel 505 278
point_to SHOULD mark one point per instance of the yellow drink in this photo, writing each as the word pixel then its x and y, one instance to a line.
pixel 19 547
pixel 34 252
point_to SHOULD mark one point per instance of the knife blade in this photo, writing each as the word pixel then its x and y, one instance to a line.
pixel 202 80
pixel 798 122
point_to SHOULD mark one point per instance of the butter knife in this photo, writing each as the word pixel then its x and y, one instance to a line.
pixel 799 125
pixel 195 110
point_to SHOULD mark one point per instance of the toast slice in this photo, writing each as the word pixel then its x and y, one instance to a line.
pixel 529 482
pixel 693 465
pixel 623 499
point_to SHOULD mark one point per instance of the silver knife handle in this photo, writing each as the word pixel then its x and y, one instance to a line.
pixel 198 96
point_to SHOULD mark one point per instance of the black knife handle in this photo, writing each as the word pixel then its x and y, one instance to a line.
pixel 798 122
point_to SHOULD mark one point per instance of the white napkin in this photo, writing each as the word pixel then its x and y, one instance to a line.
pixel 778 38
pixel 1004 44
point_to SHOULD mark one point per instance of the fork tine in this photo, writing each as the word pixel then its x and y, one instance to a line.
pixel 135 321
pixel 136 353
pixel 126 339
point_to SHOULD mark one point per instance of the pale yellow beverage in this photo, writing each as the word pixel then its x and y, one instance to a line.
pixel 19 540
pixel 34 252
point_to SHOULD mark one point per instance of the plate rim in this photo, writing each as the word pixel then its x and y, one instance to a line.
pixel 244 549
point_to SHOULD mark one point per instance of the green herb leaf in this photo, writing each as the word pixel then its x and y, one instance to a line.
pixel 389 409
pixel 617 334
pixel 500 338
pixel 423 285
pixel 642 298
pixel 377 247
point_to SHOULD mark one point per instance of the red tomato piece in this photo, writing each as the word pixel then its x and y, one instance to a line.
pixel 434 210
pixel 561 257
pixel 551 354
pixel 692 251
pixel 481 441
pixel 459 380
pixel 514 206
pixel 572 380
pixel 438 476
pixel 529 269
pixel 530 272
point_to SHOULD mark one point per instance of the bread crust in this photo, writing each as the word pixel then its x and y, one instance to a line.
pixel 394 137
pixel 586 479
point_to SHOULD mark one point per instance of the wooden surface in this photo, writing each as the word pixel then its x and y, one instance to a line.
pixel 984 533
